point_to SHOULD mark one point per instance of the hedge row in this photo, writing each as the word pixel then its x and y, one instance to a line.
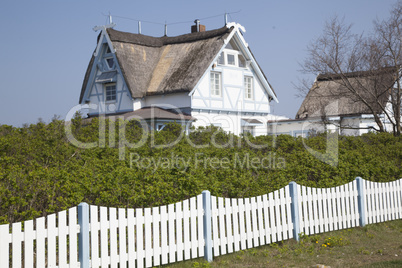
pixel 42 171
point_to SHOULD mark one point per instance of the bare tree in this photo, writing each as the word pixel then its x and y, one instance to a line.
pixel 367 68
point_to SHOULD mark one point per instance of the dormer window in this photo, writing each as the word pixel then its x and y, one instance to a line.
pixel 232 56
pixel 221 59
pixel 231 59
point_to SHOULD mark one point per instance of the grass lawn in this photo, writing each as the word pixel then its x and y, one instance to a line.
pixel 375 245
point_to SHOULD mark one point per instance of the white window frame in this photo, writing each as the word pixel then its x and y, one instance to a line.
pixel 234 58
pixel 215 92
pixel 248 129
pixel 248 87
pixel 115 93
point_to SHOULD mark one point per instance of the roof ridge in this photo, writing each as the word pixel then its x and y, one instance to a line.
pixel 146 40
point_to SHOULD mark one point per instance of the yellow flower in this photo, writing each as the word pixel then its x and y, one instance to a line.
pixel 316 242
pixel 328 244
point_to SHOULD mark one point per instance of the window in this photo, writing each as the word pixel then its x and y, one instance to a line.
pixel 248 129
pixel 248 87
pixel 231 59
pixel 221 59
pixel 110 63
pixel 159 127
pixel 242 61
pixel 215 84
pixel 108 50
pixel 110 92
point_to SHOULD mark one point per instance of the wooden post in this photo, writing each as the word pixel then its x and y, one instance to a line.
pixel 360 201
pixel 83 237
pixel 206 202
pixel 295 210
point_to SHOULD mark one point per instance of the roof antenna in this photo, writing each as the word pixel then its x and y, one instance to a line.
pixel 110 18
pixel 139 27
pixel 165 29
pixel 226 18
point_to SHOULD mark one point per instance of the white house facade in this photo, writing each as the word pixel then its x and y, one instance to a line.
pixel 205 78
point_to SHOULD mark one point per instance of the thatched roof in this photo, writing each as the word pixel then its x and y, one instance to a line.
pixel 159 65
pixel 330 94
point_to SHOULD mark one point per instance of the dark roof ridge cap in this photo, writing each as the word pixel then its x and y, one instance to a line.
pixel 146 40
pixel 334 76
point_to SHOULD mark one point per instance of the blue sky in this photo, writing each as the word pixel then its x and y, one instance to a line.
pixel 45 46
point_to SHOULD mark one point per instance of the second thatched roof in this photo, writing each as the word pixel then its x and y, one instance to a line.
pixel 343 94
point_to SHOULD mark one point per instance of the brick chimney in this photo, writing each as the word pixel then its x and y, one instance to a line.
pixel 197 27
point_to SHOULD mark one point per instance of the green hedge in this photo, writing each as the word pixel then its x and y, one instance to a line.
pixel 42 172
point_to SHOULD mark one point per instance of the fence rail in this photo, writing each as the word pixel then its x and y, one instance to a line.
pixel 202 226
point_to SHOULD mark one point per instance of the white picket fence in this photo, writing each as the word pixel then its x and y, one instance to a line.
pixel 202 226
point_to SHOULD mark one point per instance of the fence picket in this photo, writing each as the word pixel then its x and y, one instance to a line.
pixel 172 236
pixel 266 219
pixel 193 227
pixel 104 230
pixel 283 214
pixel 62 227
pixel 243 234
pixel 261 231
pixel 155 236
pixel 132 253
pixel 289 224
pixel 122 224
pixel 343 206
pixel 5 244
pixel 278 215
pixel 228 212
pixel 200 215
pixel 28 244
pixel 214 212
pixel 348 193
pixel 51 240
pixel 236 233
pixel 16 244
pixel 164 235
pixel 254 221
pixel 273 228
pixel 248 222
pixel 94 223
pixel 139 227
pixel 222 233
pixel 179 231
pixel 40 242
pixel 186 229
pixel 72 230
pixel 148 237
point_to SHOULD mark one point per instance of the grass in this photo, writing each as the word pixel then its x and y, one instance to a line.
pixel 375 245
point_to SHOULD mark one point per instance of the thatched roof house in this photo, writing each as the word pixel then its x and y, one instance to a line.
pixel 203 74
pixel 337 95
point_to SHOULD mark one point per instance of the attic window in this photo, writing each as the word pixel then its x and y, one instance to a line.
pixel 110 63
pixel 231 59
pixel 221 59
pixel 242 61
pixel 108 50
